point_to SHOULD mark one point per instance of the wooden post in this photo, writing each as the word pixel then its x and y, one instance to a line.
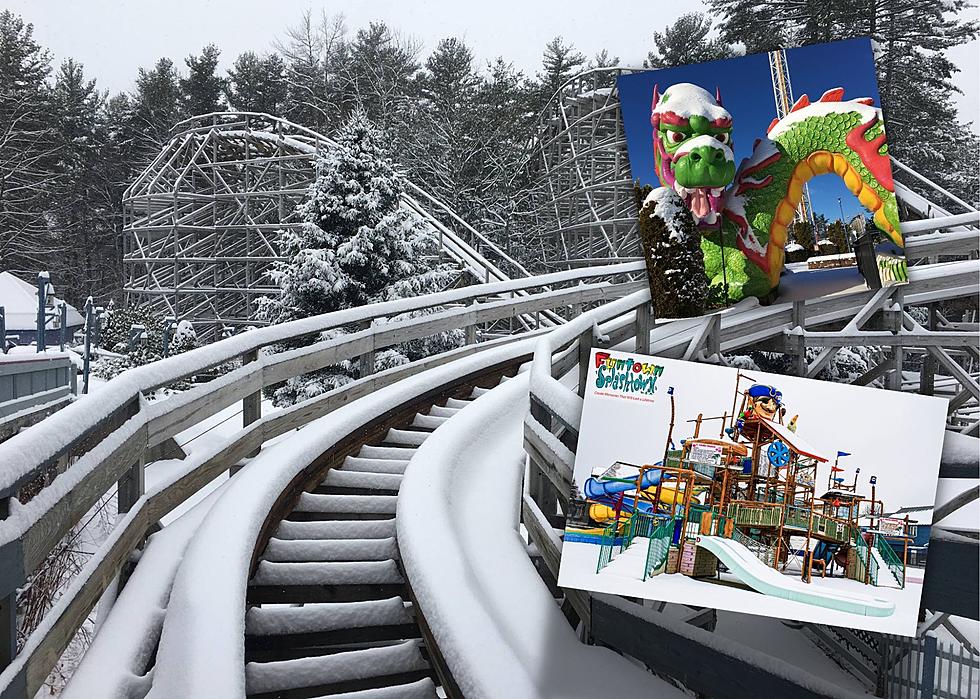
pixel 584 355
pixel 928 665
pixel 365 363
pixel 893 322
pixel 644 324
pixel 87 359
pixel 713 346
pixel 63 322
pixel 471 335
pixel 540 487
pixel 42 290
pixel 927 379
pixel 8 609
pixel 252 403
pixel 131 486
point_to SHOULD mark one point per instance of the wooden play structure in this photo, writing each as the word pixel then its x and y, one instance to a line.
pixel 754 483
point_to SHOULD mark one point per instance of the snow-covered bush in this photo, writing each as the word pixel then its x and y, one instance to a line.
pixel 116 328
pixel 184 338
pixel 672 248
pixel 356 246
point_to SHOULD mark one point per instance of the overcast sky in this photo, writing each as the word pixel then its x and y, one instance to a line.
pixel 115 37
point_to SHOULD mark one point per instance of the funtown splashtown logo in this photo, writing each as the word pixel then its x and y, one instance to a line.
pixel 626 375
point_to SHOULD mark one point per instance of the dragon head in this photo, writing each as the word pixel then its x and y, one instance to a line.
pixel 692 136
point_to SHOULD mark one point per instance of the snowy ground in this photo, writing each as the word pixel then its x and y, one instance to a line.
pixel 578 571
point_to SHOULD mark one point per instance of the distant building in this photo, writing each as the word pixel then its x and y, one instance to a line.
pixel 19 301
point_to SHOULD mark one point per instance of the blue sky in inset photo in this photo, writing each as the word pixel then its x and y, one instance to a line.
pixel 746 91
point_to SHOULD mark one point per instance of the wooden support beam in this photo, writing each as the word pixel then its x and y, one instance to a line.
pixel 644 324
pixel 252 403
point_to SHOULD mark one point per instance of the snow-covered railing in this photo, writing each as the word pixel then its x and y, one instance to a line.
pixel 111 432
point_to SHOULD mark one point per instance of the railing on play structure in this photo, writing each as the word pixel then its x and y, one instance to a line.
pixel 867 566
pixel 659 546
pixel 891 559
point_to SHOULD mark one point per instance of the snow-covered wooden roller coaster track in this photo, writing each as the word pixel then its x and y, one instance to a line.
pixel 196 600
pixel 201 223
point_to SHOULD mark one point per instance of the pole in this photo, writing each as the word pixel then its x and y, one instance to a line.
pixel 3 331
pixel 63 307
pixel 88 344
pixel 42 302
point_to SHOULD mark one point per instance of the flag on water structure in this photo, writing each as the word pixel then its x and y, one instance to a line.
pixel 836 468
pixel 843 453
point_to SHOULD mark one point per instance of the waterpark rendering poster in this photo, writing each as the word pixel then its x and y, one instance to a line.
pixel 751 492
pixel 811 209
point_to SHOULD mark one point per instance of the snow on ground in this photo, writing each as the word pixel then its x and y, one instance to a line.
pixel 495 622
pixel 578 572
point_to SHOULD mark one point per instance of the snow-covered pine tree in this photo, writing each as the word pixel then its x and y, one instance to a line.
pixel 672 248
pixel 201 89
pixel 687 41
pixel 357 246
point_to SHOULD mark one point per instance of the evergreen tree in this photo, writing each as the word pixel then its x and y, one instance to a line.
pixel 156 107
pixel 380 70
pixel 357 246
pixel 81 213
pixel 316 55
pixel 257 84
pixel 28 149
pixel 445 147
pixel 803 236
pixel 837 234
pixel 202 88
pixel 559 64
pixel 672 247
pixel 687 41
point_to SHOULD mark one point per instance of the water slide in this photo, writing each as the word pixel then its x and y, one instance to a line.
pixel 761 578
pixel 606 493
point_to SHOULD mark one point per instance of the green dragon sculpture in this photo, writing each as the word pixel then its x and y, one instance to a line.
pixel 743 215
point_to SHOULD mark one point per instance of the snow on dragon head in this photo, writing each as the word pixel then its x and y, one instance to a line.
pixel 692 137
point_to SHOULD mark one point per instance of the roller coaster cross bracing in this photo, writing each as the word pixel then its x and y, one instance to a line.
pixel 201 222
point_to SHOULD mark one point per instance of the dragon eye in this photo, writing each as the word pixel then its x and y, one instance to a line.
pixel 676 136
pixel 722 137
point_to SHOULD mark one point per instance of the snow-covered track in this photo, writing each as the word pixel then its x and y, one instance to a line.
pixel 301 525
pixel 110 437
pixel 329 584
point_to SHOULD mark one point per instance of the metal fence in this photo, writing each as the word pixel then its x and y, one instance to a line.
pixel 928 667
pixel 658 547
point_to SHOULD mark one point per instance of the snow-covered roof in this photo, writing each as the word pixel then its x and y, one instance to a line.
pixel 797 443
pixel 793 247
pixel 19 301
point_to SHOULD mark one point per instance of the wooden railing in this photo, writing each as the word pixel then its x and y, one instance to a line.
pixel 106 439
